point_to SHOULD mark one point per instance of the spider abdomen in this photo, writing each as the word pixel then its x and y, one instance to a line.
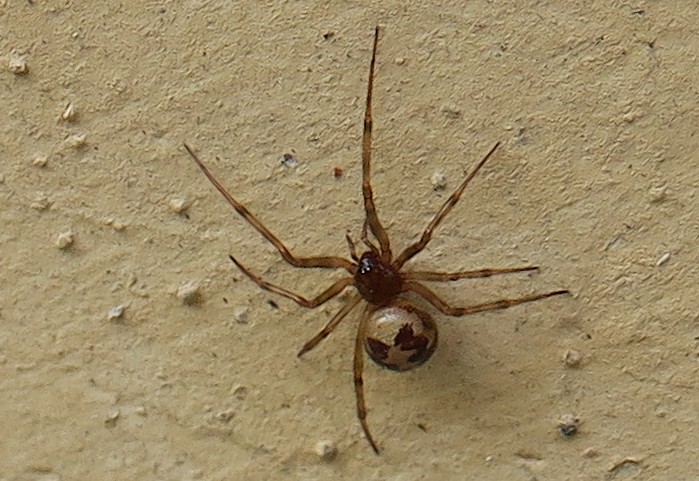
pixel 400 336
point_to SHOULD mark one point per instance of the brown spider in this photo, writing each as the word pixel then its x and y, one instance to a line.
pixel 395 333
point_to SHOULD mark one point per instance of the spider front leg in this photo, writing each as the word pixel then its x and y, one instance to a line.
pixel 372 218
pixel 328 262
pixel 439 303
pixel 418 246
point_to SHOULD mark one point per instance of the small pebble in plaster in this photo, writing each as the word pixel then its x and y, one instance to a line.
pixel 189 293
pixel 65 239
pixel 240 314
pixel 439 182
pixel 70 113
pixel 289 160
pixel 568 425
pixel 41 202
pixel 40 160
pixel 572 358
pixel 326 450
pixel 76 141
pixel 115 224
pixel 178 205
pixel 663 259
pixel 18 64
pixel 111 419
pixel 116 312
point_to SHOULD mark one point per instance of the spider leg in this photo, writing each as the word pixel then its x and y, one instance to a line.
pixel 445 308
pixel 325 262
pixel 359 381
pixel 415 248
pixel 371 216
pixel 352 248
pixel 367 241
pixel 455 276
pixel 331 325
pixel 321 298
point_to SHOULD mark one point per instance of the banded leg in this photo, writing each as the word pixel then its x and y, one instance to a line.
pixel 324 262
pixel 371 216
pixel 418 246
pixel 445 308
pixel 331 325
pixel 365 238
pixel 352 247
pixel 455 276
pixel 358 379
pixel 321 298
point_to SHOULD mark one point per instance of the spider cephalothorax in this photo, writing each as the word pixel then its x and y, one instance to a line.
pixel 395 333
pixel 377 281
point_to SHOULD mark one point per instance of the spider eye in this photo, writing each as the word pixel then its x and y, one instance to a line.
pixel 365 266
pixel 400 337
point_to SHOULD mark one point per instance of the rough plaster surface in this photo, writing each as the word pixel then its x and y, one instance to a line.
pixel 596 182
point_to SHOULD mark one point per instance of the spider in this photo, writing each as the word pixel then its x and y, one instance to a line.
pixel 395 332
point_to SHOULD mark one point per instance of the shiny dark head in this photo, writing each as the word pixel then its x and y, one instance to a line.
pixel 377 281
